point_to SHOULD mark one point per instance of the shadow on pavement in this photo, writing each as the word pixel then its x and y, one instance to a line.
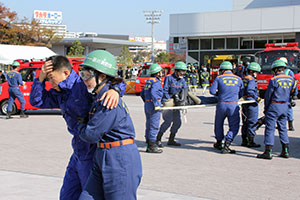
pixel 195 144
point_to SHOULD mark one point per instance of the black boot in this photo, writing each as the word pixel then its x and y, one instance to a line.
pixel 226 148
pixel 267 154
pixel 172 141
pixel 285 151
pixel 244 141
pixel 291 127
pixel 218 145
pixel 152 148
pixel 158 140
pixel 252 143
pixel 23 115
pixel 8 115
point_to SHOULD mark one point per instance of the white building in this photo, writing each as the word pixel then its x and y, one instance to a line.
pixel 51 20
pixel 244 30
pixel 159 46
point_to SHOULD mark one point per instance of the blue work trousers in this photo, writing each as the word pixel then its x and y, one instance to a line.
pixel 76 176
pixel 13 94
pixel 231 112
pixel 249 118
pixel 277 113
pixel 116 174
pixel 171 117
pixel 152 124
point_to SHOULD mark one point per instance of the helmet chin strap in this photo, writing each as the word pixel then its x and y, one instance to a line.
pixel 99 85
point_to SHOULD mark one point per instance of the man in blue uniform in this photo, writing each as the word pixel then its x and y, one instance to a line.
pixel 276 107
pixel 70 94
pixel 290 118
pixel 193 79
pixel 205 79
pixel 250 111
pixel 152 95
pixel 14 80
pixel 229 88
pixel 239 71
pixel 174 83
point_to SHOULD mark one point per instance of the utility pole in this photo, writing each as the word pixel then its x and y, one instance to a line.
pixel 152 17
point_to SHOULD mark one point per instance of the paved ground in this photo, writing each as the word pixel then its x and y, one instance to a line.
pixel 34 153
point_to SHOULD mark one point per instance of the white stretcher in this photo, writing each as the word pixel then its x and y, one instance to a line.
pixel 200 106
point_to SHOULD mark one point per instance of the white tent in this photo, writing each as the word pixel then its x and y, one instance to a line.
pixel 9 53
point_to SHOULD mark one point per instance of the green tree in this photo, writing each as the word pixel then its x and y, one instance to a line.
pixel 163 57
pixel 23 32
pixel 138 59
pixel 76 50
pixel 125 57
pixel 174 57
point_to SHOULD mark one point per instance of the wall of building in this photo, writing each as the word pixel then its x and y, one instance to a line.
pixel 237 22
pixel 248 4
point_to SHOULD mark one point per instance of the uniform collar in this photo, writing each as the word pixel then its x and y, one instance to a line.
pixel 174 75
pixel 69 82
pixel 158 79
pixel 228 73
pixel 103 89
pixel 281 73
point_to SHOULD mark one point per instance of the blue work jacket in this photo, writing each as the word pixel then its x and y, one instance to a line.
pixel 250 88
pixel 106 125
pixel 14 79
pixel 228 86
pixel 279 89
pixel 152 92
pixel 172 86
pixel 74 101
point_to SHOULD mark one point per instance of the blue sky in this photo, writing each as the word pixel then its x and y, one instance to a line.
pixel 116 16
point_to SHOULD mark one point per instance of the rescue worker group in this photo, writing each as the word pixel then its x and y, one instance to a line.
pixel 106 163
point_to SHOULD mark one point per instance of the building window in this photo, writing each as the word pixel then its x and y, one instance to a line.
pixel 246 43
pixel 193 57
pixel 176 40
pixel 193 44
pixel 219 43
pixel 259 42
pixel 289 38
pixel 232 43
pixel 275 39
pixel 205 44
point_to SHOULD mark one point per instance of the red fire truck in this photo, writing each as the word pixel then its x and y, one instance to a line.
pixel 271 53
pixel 144 75
pixel 28 70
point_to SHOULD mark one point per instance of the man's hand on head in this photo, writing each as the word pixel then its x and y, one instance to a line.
pixel 46 68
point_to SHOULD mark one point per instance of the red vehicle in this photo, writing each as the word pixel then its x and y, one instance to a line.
pixel 213 73
pixel 271 53
pixel 28 70
pixel 144 75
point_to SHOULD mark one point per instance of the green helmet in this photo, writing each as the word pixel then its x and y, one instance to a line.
pixel 278 63
pixel 226 65
pixel 101 61
pixel 155 68
pixel 284 60
pixel 16 64
pixel 189 64
pixel 180 65
pixel 247 63
pixel 196 64
pixel 254 67
pixel 241 62
pixel 193 68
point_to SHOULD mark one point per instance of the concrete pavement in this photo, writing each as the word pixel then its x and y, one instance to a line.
pixel 34 153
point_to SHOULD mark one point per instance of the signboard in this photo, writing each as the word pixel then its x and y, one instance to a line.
pixel 48 17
